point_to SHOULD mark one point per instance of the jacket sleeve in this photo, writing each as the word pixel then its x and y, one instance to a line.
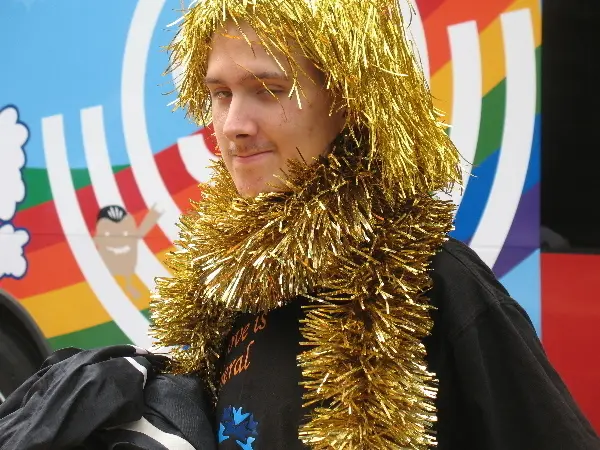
pixel 497 390
pixel 514 397
pixel 63 403
pixel 105 398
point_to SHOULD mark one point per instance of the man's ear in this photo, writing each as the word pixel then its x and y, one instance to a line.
pixel 343 114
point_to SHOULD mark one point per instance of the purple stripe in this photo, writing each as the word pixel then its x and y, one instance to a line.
pixel 524 235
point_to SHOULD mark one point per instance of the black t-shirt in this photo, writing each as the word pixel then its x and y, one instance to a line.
pixel 497 390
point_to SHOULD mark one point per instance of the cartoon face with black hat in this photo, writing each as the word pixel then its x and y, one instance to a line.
pixel 117 236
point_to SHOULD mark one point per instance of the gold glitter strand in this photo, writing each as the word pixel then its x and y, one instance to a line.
pixel 355 234
pixel 361 47
pixel 365 358
pixel 336 239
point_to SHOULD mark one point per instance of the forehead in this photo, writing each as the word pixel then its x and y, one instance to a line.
pixel 107 224
pixel 236 51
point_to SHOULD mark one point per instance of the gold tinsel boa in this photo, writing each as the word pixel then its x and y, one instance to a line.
pixel 361 259
pixel 354 235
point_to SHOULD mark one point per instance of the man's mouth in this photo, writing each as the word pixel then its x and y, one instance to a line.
pixel 119 250
pixel 251 156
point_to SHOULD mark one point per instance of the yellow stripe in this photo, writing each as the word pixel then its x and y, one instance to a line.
pixel 66 310
pixel 75 307
pixel 492 59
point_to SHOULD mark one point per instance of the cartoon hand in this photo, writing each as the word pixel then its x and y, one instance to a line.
pixel 156 210
pixel 150 220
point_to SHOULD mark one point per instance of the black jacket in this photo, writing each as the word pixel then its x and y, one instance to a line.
pixel 497 390
pixel 109 398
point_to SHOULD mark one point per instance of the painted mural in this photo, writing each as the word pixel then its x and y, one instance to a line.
pixel 96 168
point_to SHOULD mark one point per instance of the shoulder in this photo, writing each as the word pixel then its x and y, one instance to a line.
pixel 457 261
pixel 464 287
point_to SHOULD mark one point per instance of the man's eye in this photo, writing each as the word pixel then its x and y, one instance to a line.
pixel 271 91
pixel 221 94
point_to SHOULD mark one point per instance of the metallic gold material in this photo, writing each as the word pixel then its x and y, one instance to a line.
pixel 354 234
pixel 361 48
pixel 362 259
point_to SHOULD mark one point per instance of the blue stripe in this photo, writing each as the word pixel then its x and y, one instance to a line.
pixel 479 187
pixel 534 169
pixel 475 198
pixel 523 284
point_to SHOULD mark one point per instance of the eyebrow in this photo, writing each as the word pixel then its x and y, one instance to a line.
pixel 251 76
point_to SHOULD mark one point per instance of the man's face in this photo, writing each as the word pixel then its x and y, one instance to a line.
pixel 256 132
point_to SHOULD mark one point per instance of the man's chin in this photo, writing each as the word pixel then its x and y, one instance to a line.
pixel 254 189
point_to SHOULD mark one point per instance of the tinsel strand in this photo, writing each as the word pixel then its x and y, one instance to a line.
pixel 354 233
pixel 361 48
pixel 336 239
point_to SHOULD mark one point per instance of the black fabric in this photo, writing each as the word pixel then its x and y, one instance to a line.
pixel 179 405
pixel 87 399
pixel 260 400
pixel 497 389
pixel 67 392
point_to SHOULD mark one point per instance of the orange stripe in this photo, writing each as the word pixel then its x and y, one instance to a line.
pixel 75 307
pixel 49 268
pixel 182 199
pixel 492 58
pixel 452 12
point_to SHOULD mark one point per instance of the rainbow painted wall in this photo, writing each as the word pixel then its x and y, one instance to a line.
pixel 84 80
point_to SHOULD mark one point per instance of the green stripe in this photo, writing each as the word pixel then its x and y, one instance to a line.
pixel 492 122
pixel 97 336
pixel 38 188
pixel 493 114
pixel 38 184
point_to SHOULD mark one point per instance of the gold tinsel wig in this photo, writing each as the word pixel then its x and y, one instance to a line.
pixel 354 234
pixel 361 48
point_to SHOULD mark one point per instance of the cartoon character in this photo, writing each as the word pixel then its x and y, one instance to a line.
pixel 117 236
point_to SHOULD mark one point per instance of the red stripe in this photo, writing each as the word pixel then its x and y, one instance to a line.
pixel 427 7
pixel 89 207
pixel 209 138
pixel 172 170
pixel 42 223
pixel 130 191
pixel 42 220
pixel 453 12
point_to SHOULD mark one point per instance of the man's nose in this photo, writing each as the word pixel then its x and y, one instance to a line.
pixel 239 122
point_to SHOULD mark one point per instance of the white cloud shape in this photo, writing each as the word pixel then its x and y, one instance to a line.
pixel 12 251
pixel 13 136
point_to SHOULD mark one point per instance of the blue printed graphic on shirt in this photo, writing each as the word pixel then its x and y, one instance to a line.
pixel 238 425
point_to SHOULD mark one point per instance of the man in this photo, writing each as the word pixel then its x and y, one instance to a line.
pixel 315 291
